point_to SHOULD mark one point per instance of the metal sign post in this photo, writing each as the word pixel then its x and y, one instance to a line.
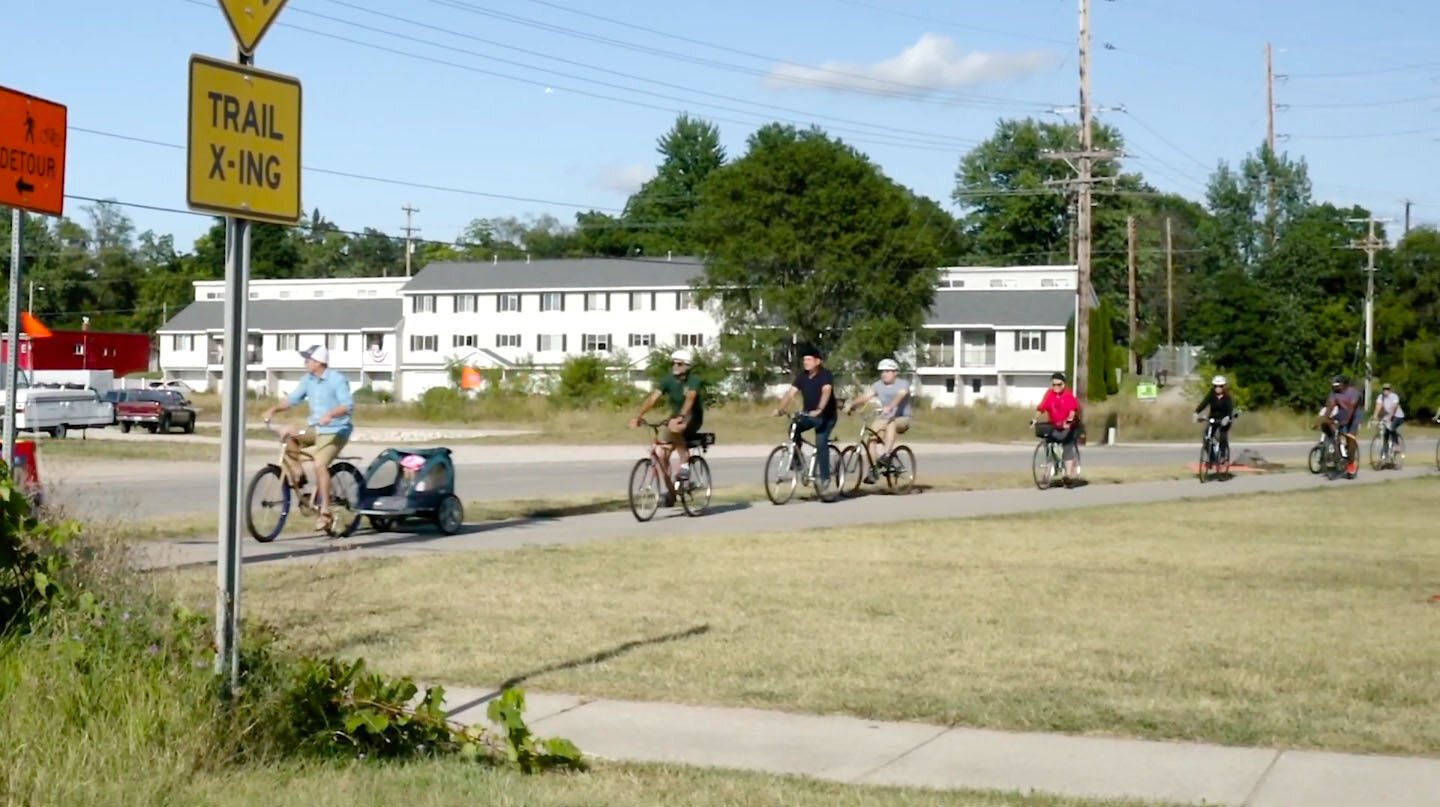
pixel 12 357
pixel 243 162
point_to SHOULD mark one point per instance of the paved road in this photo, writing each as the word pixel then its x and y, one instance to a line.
pixel 747 519
pixel 138 489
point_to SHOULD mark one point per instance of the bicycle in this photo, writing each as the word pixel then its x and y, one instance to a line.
pixel 645 477
pixel 1214 461
pixel 1383 453
pixel 346 485
pixel 1325 455
pixel 1049 458
pixel 898 468
pixel 790 461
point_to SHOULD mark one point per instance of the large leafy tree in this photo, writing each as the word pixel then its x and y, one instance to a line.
pixel 1407 321
pixel 660 212
pixel 805 239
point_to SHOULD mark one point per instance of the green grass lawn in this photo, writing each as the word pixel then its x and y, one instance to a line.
pixel 1296 620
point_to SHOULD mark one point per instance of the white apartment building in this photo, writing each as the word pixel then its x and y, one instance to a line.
pixel 510 314
pixel 358 319
pixel 994 333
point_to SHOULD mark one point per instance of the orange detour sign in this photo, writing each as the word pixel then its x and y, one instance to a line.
pixel 32 153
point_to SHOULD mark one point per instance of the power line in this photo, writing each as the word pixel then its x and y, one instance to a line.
pixel 1365 136
pixel 1359 104
pixel 925 138
pixel 690 58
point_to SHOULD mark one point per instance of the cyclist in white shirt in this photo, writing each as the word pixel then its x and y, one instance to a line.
pixel 893 394
pixel 1388 411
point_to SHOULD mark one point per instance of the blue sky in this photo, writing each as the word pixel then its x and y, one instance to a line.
pixel 1362 90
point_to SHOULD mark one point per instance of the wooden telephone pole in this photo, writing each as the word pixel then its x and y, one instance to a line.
pixel 1130 260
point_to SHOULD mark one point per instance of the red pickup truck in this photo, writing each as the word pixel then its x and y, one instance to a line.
pixel 158 410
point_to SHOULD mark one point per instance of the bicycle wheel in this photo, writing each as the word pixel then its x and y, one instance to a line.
pixel 827 489
pixel 267 504
pixel 1377 453
pixel 1317 458
pixel 346 482
pixel 780 475
pixel 1205 458
pixel 900 476
pixel 852 470
pixel 695 494
pixel 1043 466
pixel 645 488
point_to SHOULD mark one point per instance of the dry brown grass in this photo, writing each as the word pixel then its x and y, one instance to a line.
pixel 1293 620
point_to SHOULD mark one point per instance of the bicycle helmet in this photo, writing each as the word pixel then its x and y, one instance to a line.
pixel 683 355
pixel 1217 381
pixel 888 364
pixel 1337 381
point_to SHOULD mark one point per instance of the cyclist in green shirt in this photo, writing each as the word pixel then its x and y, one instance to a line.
pixel 687 411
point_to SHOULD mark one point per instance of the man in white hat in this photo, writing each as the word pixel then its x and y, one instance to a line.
pixel 682 390
pixel 331 407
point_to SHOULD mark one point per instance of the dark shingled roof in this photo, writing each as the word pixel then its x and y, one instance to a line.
pixel 1001 309
pixel 295 316
pixel 560 273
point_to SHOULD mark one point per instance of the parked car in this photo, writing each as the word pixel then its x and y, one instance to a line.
pixel 117 397
pixel 159 410
pixel 175 384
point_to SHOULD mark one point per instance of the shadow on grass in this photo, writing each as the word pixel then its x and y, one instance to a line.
pixel 584 661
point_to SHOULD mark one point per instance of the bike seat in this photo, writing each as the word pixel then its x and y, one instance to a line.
pixel 700 440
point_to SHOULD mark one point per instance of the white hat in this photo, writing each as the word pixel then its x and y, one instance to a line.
pixel 1218 381
pixel 683 356
pixel 318 353
pixel 888 364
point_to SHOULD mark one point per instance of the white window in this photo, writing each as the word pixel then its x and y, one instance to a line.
pixel 337 341
pixel 689 340
pixel 424 343
pixel 550 342
pixel 596 342
pixel 79 348
pixel 684 300
pixel 1048 283
pixel 1029 340
pixel 552 301
pixel 254 295
pixel 319 293
pixel 422 304
pixel 465 340
pixel 465 304
pixel 642 301
pixel 507 340
pixel 214 295
pixel 1002 283
pixel 287 341
pixel 284 295
pixel 507 302
pixel 597 301
pixel 374 341
pixel 642 340
pixel 182 342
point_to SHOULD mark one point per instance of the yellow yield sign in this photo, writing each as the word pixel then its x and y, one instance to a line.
pixel 244 143
pixel 250 19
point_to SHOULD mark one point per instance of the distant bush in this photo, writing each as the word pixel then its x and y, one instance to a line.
pixel 590 380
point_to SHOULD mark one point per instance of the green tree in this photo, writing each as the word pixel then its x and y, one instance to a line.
pixel 659 214
pixel 805 238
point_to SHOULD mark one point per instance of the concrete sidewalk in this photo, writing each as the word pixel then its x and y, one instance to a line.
pixel 868 752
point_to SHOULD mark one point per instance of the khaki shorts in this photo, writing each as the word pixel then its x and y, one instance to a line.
pixel 320 448
pixel 902 424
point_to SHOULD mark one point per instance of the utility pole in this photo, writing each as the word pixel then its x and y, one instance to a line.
pixel 1407 216
pixel 1370 246
pixel 1082 162
pixel 409 234
pixel 1270 141
pixel 1130 260
pixel 1169 291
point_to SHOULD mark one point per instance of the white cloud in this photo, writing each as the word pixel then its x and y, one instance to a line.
pixel 933 64
pixel 622 179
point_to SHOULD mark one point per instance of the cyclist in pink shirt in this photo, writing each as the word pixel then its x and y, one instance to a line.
pixel 1063 410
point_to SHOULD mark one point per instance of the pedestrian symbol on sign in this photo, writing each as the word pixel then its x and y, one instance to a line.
pixel 29 128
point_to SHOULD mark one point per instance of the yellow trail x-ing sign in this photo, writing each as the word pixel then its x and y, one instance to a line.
pixel 244 144
pixel 250 19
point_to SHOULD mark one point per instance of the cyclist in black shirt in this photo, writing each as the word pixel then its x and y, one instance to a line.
pixel 1222 408
pixel 817 395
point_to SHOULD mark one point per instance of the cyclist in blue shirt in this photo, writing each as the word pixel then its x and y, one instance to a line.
pixel 331 406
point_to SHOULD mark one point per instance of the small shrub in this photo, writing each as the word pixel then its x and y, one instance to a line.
pixel 443 405
pixel 33 558
pixel 587 380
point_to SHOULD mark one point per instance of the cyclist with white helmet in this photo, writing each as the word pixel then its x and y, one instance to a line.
pixel 1389 413
pixel 682 390
pixel 1222 407
pixel 893 395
